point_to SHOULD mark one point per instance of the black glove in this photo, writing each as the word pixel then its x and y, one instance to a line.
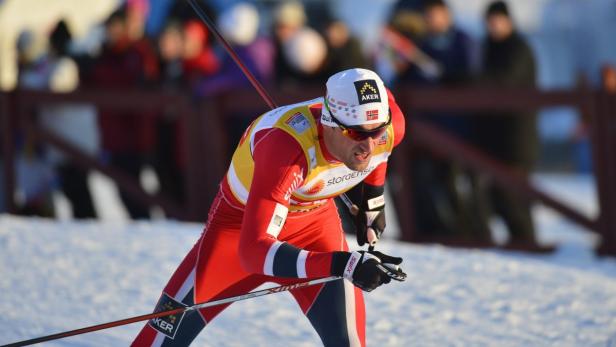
pixel 367 270
pixel 369 225
pixel 369 215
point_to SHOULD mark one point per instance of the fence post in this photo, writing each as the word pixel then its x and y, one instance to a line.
pixel 604 148
pixel 8 150
pixel 399 176
pixel 206 157
pixel 399 181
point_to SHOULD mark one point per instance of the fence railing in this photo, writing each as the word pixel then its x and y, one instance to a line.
pixel 597 106
pixel 207 145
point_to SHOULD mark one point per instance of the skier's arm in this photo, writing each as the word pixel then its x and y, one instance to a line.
pixel 368 195
pixel 280 166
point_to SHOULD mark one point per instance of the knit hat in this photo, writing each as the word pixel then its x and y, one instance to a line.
pixel 497 8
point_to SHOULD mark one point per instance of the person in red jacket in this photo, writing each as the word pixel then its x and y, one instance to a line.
pixel 274 219
pixel 128 138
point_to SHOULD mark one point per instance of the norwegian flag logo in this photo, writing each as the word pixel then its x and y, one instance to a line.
pixel 372 114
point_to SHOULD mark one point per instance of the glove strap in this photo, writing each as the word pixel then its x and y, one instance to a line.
pixel 375 203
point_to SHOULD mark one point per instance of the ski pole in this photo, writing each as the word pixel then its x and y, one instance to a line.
pixel 195 307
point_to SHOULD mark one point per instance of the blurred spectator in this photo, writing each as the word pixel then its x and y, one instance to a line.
pixel 199 58
pixel 28 62
pixel 239 25
pixel 168 154
pixel 299 51
pixel 305 53
pixel 608 78
pixel 74 122
pixel 441 202
pixel 406 18
pixel 344 50
pixel 397 45
pixel 162 12
pixel 446 44
pixel 510 137
pixel 127 137
pixel 170 49
pixel 136 15
pixel 34 176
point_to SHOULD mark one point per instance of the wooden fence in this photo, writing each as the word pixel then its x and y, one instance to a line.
pixel 207 144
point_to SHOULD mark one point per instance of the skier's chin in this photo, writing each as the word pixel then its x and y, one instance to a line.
pixel 357 165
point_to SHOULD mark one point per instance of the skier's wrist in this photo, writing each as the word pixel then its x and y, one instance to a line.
pixel 339 262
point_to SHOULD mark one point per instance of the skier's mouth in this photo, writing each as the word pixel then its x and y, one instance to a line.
pixel 362 156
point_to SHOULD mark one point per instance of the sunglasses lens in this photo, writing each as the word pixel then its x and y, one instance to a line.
pixel 363 135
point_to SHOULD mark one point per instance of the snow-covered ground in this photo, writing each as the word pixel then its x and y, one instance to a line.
pixel 57 276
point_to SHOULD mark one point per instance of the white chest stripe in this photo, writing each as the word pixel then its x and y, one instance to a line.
pixel 236 185
pixel 337 179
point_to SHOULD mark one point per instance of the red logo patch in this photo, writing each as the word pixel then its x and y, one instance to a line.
pixel 372 114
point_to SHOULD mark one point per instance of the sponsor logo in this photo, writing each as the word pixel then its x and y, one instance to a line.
pixel 351 175
pixel 376 202
pixel 167 325
pixel 367 91
pixel 297 180
pixel 382 140
pixel 298 122
pixel 289 287
pixel 351 265
pixel 372 114
pixel 317 187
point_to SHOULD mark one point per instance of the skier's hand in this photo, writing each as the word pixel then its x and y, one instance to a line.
pixel 369 225
pixel 368 214
pixel 367 270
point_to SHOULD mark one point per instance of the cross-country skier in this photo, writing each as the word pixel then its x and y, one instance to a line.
pixel 274 218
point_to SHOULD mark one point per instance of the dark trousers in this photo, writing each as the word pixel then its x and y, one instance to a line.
pixel 513 140
pixel 131 164
pixel 165 162
pixel 74 184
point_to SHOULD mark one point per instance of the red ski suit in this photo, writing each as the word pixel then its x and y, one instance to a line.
pixel 274 220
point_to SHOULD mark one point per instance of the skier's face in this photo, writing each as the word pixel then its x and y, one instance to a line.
pixel 355 154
